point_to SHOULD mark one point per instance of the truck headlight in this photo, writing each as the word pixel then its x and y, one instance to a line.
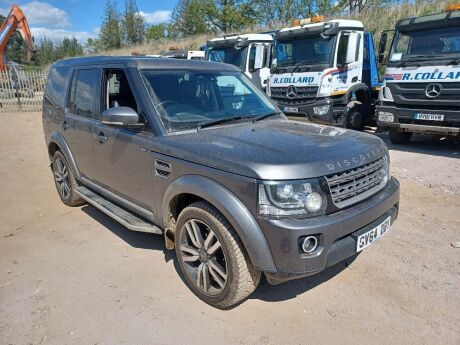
pixel 321 110
pixel 385 95
pixel 299 199
pixel 386 116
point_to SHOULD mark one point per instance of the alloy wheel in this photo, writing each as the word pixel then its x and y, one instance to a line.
pixel 61 176
pixel 203 257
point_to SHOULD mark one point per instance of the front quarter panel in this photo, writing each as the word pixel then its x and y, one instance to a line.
pixel 233 210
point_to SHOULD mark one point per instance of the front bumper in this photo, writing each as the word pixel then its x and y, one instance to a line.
pixel 335 115
pixel 337 235
pixel 405 122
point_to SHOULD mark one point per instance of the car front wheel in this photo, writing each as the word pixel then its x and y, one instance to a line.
pixel 212 258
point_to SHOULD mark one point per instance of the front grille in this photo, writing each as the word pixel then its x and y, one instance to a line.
pixel 351 186
pixel 414 93
pixel 305 94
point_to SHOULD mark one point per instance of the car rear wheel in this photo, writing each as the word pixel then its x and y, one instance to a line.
pixel 65 181
pixel 212 258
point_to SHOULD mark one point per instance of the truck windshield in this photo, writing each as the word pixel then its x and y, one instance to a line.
pixel 187 99
pixel 426 44
pixel 305 50
pixel 229 55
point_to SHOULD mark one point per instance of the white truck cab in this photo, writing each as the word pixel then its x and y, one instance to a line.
pixel 250 52
pixel 326 71
pixel 184 54
pixel 422 79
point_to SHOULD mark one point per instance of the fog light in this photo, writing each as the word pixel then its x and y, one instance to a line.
pixel 309 244
pixel 322 110
pixel 386 117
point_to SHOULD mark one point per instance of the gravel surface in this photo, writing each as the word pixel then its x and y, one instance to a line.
pixel 74 276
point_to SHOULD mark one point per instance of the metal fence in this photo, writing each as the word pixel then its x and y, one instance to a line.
pixel 21 89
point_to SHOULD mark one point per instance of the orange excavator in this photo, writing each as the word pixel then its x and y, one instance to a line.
pixel 16 20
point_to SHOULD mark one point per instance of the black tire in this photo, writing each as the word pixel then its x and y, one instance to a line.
pixel 241 277
pixel 355 116
pixel 397 137
pixel 65 181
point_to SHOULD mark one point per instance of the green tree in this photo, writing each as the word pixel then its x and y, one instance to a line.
pixel 229 15
pixel 45 52
pixel 132 24
pixel 156 32
pixel 110 34
pixel 187 18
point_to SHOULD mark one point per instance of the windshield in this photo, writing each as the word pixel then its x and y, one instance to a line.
pixel 426 44
pixel 229 55
pixel 185 99
pixel 305 50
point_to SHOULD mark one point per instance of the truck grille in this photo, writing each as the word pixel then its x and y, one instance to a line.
pixel 305 94
pixel 351 186
pixel 414 94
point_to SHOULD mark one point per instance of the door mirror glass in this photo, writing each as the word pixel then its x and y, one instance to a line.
pixel 121 117
pixel 382 46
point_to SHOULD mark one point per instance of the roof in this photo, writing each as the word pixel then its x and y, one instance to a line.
pixel 341 23
pixel 147 62
pixel 445 19
pixel 250 37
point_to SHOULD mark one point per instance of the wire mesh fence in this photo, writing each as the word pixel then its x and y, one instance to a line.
pixel 21 89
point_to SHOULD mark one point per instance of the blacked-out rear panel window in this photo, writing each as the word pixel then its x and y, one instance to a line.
pixel 55 86
pixel 86 93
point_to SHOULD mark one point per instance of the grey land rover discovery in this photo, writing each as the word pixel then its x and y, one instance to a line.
pixel 193 150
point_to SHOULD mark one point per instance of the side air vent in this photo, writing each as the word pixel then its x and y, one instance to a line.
pixel 162 169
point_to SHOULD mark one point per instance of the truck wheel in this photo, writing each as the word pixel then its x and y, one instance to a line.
pixel 212 258
pixel 65 181
pixel 397 137
pixel 355 116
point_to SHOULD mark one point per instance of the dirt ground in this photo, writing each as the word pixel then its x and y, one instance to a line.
pixel 74 276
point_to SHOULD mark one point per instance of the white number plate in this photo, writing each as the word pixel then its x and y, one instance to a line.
pixel 291 110
pixel 430 117
pixel 366 239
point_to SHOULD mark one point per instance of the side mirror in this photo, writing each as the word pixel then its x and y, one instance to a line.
pixel 121 117
pixel 382 46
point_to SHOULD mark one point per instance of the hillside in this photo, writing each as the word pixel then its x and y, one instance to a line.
pixel 375 20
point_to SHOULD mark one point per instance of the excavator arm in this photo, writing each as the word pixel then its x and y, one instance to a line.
pixel 16 20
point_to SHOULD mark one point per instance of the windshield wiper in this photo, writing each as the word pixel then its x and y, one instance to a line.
pixel 221 121
pixel 261 117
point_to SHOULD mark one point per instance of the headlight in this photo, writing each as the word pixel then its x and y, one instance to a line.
pixel 321 110
pixel 385 95
pixel 292 199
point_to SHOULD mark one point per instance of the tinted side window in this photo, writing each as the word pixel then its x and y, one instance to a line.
pixel 86 88
pixel 55 86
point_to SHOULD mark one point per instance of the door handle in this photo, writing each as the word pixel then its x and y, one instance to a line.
pixel 65 125
pixel 101 137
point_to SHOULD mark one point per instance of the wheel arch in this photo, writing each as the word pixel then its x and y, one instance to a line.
pixel 58 143
pixel 195 187
pixel 362 92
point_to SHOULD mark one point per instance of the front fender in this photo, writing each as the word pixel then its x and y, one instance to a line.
pixel 58 139
pixel 233 210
